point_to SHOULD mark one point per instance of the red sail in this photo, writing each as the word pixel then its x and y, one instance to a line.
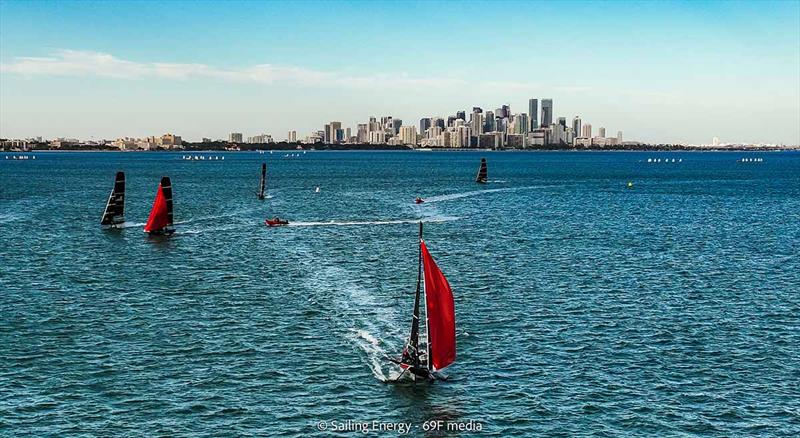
pixel 159 215
pixel 441 313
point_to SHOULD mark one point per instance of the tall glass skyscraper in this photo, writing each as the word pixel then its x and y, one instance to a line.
pixel 533 112
pixel 547 112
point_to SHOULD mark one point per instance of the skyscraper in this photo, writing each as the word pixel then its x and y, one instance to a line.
pixel 576 125
pixel 563 122
pixel 587 130
pixel 396 124
pixel 547 112
pixel 408 135
pixel 602 132
pixel 533 112
pixel 489 125
pixel 424 124
pixel 235 137
pixel 461 115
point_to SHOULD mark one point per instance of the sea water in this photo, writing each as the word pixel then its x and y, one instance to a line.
pixel 584 306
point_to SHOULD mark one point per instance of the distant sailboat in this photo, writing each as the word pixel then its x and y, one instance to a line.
pixel 483 173
pixel 160 221
pixel 263 186
pixel 423 359
pixel 115 207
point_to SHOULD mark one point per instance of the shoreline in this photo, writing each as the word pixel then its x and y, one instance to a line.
pixel 405 149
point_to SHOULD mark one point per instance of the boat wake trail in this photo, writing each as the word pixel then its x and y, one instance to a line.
pixel 450 197
pixel 131 225
pixel 386 222
pixel 358 315
pixel 238 213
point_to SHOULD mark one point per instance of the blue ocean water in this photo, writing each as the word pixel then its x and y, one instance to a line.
pixel 584 308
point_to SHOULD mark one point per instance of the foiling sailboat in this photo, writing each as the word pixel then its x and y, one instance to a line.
pixel 263 186
pixel 483 173
pixel 114 214
pixel 160 221
pixel 424 358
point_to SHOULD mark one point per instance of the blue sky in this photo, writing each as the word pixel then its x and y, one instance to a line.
pixel 658 71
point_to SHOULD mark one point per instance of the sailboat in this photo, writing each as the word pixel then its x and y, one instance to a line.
pixel 483 173
pixel 160 221
pixel 115 207
pixel 262 187
pixel 423 359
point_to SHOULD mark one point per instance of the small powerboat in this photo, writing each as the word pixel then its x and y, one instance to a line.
pixel 276 222
pixel 419 200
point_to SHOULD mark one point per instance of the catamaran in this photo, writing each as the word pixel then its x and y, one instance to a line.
pixel 160 221
pixel 423 359
pixel 263 186
pixel 115 207
pixel 483 173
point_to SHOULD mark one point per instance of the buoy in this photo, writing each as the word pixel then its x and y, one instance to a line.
pixel 317 190
pixel 630 185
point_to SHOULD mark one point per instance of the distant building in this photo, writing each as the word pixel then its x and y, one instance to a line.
pixel 408 135
pixel 331 130
pixel 576 125
pixel 619 137
pixel 602 133
pixel 424 124
pixel 235 137
pixel 547 112
pixel 171 140
pixel 477 122
pixel 206 140
pixel 533 112
pixel 377 137
pixel 521 124
pixel 292 137
pixel 586 131
pixel 715 141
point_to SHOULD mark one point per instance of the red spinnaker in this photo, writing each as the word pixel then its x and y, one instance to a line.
pixel 441 313
pixel 159 215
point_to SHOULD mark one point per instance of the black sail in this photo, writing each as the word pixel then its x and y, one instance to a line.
pixel 166 188
pixel 114 213
pixel 483 173
pixel 263 186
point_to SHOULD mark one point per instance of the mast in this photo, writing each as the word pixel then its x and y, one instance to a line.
pixel 411 353
pixel 427 322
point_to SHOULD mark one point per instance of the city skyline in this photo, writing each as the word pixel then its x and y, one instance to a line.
pixel 270 68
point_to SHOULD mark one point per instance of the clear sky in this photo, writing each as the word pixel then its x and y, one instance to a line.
pixel 658 71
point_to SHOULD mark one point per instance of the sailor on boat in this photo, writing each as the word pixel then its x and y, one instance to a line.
pixel 419 200
pixel 423 359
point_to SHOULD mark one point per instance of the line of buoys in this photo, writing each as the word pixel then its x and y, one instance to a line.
pixel 665 160
pixel 202 157
pixel 751 160
pixel 20 157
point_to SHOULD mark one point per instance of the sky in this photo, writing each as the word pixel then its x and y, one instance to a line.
pixel 661 72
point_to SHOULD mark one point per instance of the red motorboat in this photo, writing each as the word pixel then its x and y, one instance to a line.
pixel 419 200
pixel 276 222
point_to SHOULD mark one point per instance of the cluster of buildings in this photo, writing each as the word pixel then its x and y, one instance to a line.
pixel 166 141
pixel 496 129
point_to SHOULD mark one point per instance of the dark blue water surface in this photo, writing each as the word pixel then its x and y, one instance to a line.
pixel 583 307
